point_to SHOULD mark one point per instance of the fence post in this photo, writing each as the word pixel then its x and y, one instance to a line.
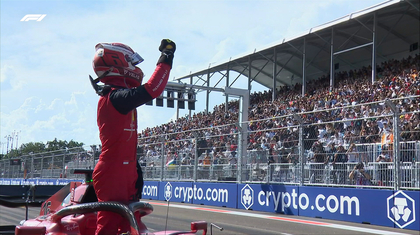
pixel 268 178
pixel 301 149
pixel 396 144
pixel 42 165
pixel 32 165
pixel 240 153
pixel 195 156
pixel 162 153
pixel 64 162
pixel 416 165
pixel 93 147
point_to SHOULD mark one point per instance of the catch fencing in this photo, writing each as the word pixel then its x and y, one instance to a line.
pixel 346 146
pixel 55 164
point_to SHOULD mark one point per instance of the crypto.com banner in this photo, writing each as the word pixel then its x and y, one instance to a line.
pixel 214 194
pixel 390 208
pixel 380 207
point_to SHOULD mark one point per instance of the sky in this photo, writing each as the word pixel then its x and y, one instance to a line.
pixel 45 91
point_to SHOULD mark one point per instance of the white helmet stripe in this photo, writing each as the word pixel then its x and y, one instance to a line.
pixel 133 57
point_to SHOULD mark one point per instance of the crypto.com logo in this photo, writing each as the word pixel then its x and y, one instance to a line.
pixel 401 209
pixel 168 191
pixel 37 17
pixel 247 196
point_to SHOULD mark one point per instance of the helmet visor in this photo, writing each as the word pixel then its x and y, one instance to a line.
pixel 135 59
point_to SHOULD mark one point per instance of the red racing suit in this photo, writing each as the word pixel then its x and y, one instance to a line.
pixel 115 174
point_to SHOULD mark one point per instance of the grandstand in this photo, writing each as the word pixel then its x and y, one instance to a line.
pixel 313 107
pixel 322 93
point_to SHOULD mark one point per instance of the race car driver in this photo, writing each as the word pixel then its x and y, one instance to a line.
pixel 117 175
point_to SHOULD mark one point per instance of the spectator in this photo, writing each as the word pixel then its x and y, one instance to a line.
pixel 293 156
pixel 330 150
pixel 351 87
pixel 232 164
pixel 359 175
pixel 172 159
pixel 353 154
pixel 383 160
pixel 217 164
pixel 339 167
pixel 270 159
pixel 207 160
pixel 185 162
pixel 284 167
pixel 232 158
pixel 317 158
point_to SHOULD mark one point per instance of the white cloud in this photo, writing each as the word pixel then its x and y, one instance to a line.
pixel 5 72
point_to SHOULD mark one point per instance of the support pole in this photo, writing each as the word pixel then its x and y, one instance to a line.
pixel 301 148
pixel 395 144
pixel 249 72
pixel 208 92
pixel 227 84
pixel 374 49
pixel 162 161
pixel 274 75
pixel 190 111
pixel 196 138
pixel 243 95
pixel 304 68
pixel 332 60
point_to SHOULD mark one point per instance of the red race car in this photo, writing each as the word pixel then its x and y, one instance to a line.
pixel 72 210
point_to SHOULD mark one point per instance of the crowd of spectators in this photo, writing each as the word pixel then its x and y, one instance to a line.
pixel 363 122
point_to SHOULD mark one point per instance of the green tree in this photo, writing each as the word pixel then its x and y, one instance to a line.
pixel 13 153
pixel 39 147
pixel 55 145
pixel 74 144
pixel 32 147
pixel 61 144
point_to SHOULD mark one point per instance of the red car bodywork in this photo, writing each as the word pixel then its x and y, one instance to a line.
pixel 72 211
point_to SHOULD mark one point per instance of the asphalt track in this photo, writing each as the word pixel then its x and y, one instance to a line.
pixel 178 216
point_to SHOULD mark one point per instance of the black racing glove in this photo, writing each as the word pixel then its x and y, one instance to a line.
pixel 167 47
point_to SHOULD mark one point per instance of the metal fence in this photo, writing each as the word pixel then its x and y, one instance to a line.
pixel 325 147
pixel 348 146
pixel 55 164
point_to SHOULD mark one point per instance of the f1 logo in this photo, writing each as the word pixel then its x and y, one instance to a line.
pixel 37 17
